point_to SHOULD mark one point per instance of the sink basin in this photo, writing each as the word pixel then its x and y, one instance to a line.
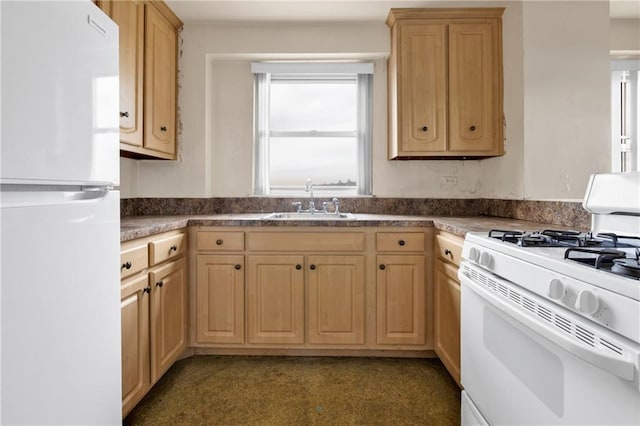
pixel 308 216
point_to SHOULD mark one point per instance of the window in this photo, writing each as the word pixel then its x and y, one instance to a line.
pixel 313 125
pixel 625 115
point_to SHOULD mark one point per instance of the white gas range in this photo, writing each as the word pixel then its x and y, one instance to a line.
pixel 551 319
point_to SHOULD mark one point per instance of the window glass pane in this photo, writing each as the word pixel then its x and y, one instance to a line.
pixel 328 162
pixel 323 106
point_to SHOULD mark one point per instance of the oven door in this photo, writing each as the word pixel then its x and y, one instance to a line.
pixel 519 368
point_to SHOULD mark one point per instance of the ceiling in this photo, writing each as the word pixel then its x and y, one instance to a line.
pixel 332 10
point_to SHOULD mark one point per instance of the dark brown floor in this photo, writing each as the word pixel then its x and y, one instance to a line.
pixel 240 390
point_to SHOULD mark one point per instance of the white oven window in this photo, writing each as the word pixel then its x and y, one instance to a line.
pixel 535 366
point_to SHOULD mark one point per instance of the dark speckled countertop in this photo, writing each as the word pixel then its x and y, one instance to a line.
pixel 132 227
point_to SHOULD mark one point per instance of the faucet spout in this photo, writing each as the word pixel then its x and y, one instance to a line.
pixel 308 187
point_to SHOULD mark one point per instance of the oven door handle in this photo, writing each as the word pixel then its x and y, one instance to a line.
pixel 622 368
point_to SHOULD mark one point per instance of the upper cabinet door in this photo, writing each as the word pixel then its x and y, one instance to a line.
pixel 129 15
pixel 474 81
pixel 445 83
pixel 422 65
pixel 160 83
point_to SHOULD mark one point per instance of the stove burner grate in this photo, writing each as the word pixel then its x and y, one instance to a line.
pixel 607 259
pixel 557 238
pixel 508 236
pixel 627 267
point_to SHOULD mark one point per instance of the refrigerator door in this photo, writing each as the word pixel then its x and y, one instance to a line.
pixel 60 94
pixel 60 308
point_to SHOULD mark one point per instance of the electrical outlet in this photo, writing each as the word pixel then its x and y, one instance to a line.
pixel 449 180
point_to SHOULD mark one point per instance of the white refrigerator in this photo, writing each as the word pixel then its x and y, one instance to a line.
pixel 60 220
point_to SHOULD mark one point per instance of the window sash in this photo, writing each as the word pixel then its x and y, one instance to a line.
pixel 262 131
pixel 312 134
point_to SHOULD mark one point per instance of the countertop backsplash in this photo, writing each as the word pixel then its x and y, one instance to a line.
pixel 564 213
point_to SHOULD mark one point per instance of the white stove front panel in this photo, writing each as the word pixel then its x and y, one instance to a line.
pixel 617 312
pixel 552 258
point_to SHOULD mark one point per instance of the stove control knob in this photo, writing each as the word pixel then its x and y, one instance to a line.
pixel 556 289
pixel 587 302
pixel 486 260
pixel 474 254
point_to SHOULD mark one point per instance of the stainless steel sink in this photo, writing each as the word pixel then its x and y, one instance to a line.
pixel 308 216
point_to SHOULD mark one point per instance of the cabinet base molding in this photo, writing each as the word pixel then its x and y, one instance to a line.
pixel 316 352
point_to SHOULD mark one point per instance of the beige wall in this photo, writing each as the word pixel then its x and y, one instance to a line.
pixel 566 97
pixel 216 107
pixel 624 35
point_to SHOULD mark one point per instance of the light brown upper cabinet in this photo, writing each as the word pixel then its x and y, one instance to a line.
pixel 445 83
pixel 148 70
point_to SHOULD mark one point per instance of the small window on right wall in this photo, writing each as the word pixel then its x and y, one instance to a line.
pixel 625 115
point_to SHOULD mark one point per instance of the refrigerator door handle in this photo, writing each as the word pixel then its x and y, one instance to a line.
pixel 18 199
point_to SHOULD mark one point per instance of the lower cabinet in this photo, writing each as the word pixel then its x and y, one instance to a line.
pixel 168 316
pixel 304 288
pixel 448 249
pixel 401 309
pixel 275 299
pixel 447 317
pixel 220 298
pixel 153 311
pixel 136 369
pixel 336 288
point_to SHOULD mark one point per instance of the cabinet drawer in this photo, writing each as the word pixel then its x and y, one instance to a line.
pixel 400 241
pixel 133 260
pixel 449 248
pixel 220 241
pixel 167 248
pixel 305 241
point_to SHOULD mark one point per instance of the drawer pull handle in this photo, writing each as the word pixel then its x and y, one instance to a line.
pixel 126 265
pixel 447 252
pixel 146 290
pixel 382 267
pixel 124 114
pixel 173 248
pixel 298 267
pixel 237 267
pixel 163 128
pixel 159 284
pixel 312 267
pixel 472 128
pixel 401 242
pixel 425 129
pixel 219 242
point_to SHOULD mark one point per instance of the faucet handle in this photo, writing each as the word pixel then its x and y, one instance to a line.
pixel 297 205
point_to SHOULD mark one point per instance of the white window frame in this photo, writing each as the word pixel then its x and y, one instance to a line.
pixel 625 115
pixel 265 72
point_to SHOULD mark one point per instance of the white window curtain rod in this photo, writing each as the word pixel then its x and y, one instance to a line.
pixel 312 67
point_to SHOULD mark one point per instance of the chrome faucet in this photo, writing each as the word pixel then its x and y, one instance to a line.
pixel 309 188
